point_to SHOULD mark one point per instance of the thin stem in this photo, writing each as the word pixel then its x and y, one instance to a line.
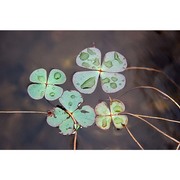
pixel 157 118
pixel 150 87
pixel 152 69
pixel 178 146
pixel 134 115
pixel 75 140
pixel 133 137
pixel 23 112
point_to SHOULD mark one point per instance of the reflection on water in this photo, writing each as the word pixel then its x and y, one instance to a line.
pixel 21 52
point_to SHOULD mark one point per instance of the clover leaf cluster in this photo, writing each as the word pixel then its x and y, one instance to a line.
pixel 69 116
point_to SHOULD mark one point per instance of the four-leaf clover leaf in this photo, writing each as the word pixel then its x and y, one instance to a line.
pixel 106 115
pixel 111 80
pixel 69 117
pixel 46 87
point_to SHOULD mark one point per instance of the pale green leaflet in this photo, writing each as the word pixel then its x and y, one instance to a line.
pixel 111 80
pixel 46 87
pixel 106 115
pixel 70 117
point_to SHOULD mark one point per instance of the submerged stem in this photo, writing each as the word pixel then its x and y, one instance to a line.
pixel 75 141
pixel 23 112
pixel 134 115
pixel 135 140
pixel 150 87
pixel 152 69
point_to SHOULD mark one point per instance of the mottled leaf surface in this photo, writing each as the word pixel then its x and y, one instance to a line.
pixel 116 107
pixel 120 121
pixel 71 100
pixel 85 116
pixel 114 62
pixel 53 92
pixel 89 58
pixel 56 76
pixel 57 117
pixel 86 81
pixel 103 122
pixel 67 126
pixel 112 82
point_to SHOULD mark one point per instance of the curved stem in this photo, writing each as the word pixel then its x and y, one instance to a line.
pixel 153 88
pixel 75 141
pixel 173 139
pixel 23 112
pixel 178 146
pixel 152 69
pixel 157 118
pixel 135 140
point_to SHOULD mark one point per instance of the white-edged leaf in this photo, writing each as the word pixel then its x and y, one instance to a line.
pixel 120 121
pixel 114 62
pixel 53 92
pixel 56 76
pixel 103 122
pixel 38 76
pixel 71 100
pixel 89 58
pixel 86 81
pixel 36 91
pixel 57 117
pixel 102 109
pixel 117 107
pixel 67 126
pixel 85 116
pixel 112 82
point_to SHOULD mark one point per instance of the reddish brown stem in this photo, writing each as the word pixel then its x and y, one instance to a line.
pixel 152 69
pixel 132 136
pixel 153 88
pixel 173 139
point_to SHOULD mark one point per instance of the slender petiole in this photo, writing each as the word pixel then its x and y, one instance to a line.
pixel 153 88
pixel 75 140
pixel 23 112
pixel 135 140
pixel 157 118
pixel 173 139
pixel 178 146
pixel 152 69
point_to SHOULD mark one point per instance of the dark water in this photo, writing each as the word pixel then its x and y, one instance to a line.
pixel 21 52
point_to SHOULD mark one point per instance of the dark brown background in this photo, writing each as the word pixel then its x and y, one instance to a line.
pixel 21 52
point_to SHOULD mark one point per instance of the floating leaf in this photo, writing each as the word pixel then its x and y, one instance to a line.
pixel 114 62
pixel 44 87
pixel 85 116
pixel 103 122
pixel 102 109
pixel 86 81
pixel 70 118
pixel 120 121
pixel 57 117
pixel 111 80
pixel 71 100
pixel 67 126
pixel 56 76
pixel 36 91
pixel 105 115
pixel 38 76
pixel 89 58
pixel 116 107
